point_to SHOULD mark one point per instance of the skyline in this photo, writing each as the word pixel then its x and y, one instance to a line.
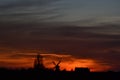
pixel 68 62
pixel 83 29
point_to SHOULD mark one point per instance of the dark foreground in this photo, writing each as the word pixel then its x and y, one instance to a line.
pixel 31 74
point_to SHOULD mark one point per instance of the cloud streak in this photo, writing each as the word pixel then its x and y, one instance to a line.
pixel 29 10
pixel 68 61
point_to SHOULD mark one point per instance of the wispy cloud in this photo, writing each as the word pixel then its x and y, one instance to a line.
pixel 28 11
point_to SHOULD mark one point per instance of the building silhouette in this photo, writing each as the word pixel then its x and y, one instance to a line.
pixel 82 70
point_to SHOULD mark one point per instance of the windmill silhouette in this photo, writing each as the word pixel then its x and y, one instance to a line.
pixel 57 67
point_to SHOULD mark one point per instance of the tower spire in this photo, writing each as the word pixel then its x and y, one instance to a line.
pixel 38 63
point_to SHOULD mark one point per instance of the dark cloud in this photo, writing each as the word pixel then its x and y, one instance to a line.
pixel 30 34
pixel 73 40
pixel 28 11
pixel 25 3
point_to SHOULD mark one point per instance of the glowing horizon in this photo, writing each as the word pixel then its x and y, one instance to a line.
pixel 68 62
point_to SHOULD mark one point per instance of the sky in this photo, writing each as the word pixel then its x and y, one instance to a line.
pixel 83 33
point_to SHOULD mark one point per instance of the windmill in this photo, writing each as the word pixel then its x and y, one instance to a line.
pixel 57 67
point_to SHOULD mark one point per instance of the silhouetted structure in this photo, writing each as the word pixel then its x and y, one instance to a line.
pixel 38 63
pixel 82 70
pixel 57 67
pixel 39 72
pixel 35 73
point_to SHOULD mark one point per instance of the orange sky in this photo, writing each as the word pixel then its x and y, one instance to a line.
pixel 68 62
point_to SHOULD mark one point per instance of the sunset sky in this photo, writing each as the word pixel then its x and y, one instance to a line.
pixel 80 33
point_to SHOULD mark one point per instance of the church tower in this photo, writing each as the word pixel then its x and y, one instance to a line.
pixel 38 63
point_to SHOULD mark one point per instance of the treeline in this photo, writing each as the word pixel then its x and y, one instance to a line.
pixel 33 74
